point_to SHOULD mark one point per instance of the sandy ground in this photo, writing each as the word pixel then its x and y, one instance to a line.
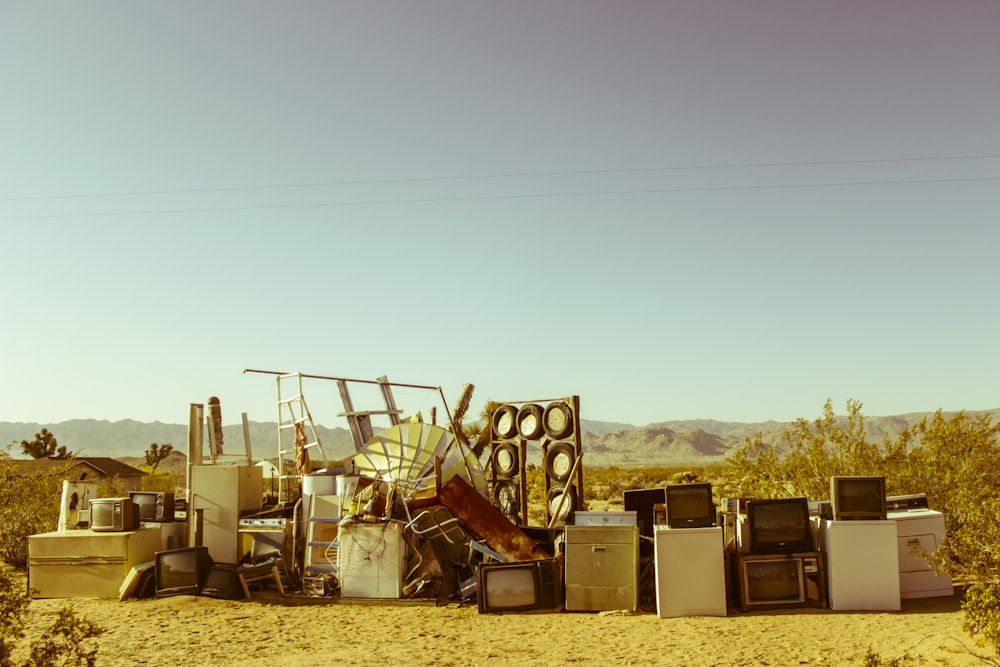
pixel 279 632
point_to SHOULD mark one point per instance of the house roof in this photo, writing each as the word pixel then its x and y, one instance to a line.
pixel 105 466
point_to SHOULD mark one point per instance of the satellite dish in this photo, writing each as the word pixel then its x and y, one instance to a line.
pixel 405 454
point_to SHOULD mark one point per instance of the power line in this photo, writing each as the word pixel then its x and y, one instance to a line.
pixel 529 174
pixel 502 197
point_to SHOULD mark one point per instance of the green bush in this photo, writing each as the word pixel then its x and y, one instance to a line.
pixel 955 461
pixel 29 505
pixel 65 643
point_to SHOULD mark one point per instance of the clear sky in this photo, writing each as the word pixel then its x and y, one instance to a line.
pixel 729 210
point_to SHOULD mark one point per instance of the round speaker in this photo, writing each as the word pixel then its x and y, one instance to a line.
pixel 557 420
pixel 559 460
pixel 505 422
pixel 505 460
pixel 529 421
pixel 568 504
pixel 506 498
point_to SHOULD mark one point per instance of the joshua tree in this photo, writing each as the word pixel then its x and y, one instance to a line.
pixel 43 445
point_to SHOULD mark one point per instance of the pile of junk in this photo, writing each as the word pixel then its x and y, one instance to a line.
pixel 421 511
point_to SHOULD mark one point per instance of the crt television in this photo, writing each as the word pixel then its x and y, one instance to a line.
pixel 641 501
pixel 181 571
pixel 113 515
pixel 690 505
pixel 522 586
pixel 858 498
pixel 779 525
pixel 779 581
pixel 154 505
pixel 222 581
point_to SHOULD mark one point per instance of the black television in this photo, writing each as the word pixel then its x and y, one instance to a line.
pixel 779 525
pixel 154 505
pixel 522 586
pixel 181 571
pixel 690 505
pixel 222 581
pixel 857 498
pixel 642 501
pixel 113 515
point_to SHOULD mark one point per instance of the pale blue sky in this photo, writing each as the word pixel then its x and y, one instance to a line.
pixel 728 210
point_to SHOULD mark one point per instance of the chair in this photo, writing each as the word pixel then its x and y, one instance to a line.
pixel 265 562
pixel 250 573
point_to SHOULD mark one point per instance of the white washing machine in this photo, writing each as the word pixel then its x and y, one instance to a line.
pixel 919 532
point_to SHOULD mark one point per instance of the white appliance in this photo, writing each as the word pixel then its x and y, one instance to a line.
pixel 84 563
pixel 371 559
pixel 919 533
pixel 219 495
pixel 862 564
pixel 690 571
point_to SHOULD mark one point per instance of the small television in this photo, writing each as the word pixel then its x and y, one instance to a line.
pixel 857 498
pixel 112 515
pixel 690 505
pixel 522 586
pixel 154 505
pixel 771 582
pixel 181 571
pixel 779 525
pixel 222 581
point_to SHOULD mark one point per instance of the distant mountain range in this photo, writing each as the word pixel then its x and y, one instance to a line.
pixel 696 441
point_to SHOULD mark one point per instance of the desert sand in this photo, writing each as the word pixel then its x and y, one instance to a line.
pixel 270 630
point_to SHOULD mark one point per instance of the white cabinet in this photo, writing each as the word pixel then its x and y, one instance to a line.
pixel 919 533
pixel 862 564
pixel 690 571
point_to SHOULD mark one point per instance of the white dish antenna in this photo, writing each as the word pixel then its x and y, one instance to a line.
pixel 405 453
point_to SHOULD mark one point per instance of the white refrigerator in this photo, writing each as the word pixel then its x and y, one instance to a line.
pixel 219 496
pixel 690 571
pixel 862 565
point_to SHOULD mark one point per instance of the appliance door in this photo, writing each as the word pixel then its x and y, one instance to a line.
pixel 75 578
pixel 602 568
pixel 82 563
pixel 371 558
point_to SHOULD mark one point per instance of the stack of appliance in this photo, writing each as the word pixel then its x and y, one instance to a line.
pixel 158 509
pixel 689 554
pixel 860 546
pixel 93 562
pixel 776 562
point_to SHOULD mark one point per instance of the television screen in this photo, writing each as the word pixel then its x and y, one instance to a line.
pixel 113 515
pixel 857 498
pixel 154 505
pixel 641 501
pixel 777 581
pixel 181 571
pixel 779 526
pixel 690 505
pixel 222 581
pixel 523 586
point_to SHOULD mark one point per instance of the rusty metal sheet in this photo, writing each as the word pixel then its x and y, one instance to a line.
pixel 487 523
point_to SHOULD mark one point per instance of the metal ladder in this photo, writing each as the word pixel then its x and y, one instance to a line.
pixel 293 418
pixel 360 420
